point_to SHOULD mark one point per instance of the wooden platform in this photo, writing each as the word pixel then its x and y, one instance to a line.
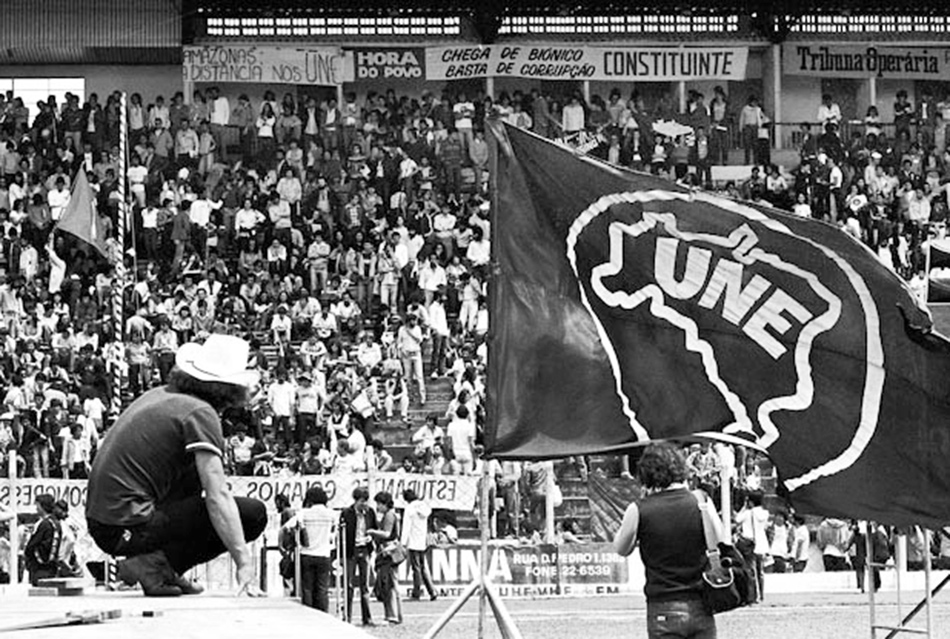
pixel 198 617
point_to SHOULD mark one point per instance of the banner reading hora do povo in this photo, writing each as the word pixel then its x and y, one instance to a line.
pixel 905 63
pixel 319 66
pixel 566 62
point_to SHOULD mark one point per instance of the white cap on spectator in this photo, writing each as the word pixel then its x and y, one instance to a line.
pixel 221 358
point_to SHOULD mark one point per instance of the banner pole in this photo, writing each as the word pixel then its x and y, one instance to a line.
pixel 118 289
pixel 727 462
pixel 14 532
pixel 484 526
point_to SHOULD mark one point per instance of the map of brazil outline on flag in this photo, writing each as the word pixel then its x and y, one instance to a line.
pixel 742 243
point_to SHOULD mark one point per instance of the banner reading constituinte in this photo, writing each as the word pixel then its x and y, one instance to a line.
pixel 905 63
pixel 319 66
pixel 566 62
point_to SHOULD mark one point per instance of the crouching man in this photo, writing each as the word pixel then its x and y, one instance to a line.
pixel 157 493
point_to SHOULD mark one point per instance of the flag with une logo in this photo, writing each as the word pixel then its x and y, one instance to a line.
pixel 625 308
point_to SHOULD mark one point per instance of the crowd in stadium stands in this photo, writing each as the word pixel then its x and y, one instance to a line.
pixel 350 243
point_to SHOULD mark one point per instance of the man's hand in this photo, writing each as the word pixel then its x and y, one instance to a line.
pixel 245 578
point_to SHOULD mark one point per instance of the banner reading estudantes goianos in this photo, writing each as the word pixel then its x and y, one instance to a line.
pixel 625 308
pixel 317 66
pixel 850 61
pixel 568 62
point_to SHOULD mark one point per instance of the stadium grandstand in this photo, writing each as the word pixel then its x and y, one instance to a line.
pixel 315 177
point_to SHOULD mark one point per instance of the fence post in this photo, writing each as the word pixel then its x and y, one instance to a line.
pixel 14 529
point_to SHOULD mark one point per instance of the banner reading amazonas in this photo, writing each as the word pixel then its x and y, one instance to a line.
pixel 317 66
pixel 565 62
pixel 905 63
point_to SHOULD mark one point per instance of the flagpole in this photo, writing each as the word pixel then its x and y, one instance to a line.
pixel 118 289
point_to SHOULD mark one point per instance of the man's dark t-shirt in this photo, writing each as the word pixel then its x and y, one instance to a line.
pixel 147 457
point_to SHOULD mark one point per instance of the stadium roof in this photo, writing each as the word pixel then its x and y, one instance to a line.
pixel 565 7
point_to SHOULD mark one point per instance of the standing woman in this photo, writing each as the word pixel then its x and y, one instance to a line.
pixel 387 586
pixel 265 135
pixel 668 527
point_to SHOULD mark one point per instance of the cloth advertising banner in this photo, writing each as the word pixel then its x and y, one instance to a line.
pixel 438 491
pixel 318 66
pixel 540 569
pixel 388 63
pixel 680 312
pixel 567 62
pixel 849 61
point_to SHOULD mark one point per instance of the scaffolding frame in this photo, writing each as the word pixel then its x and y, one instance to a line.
pixel 926 604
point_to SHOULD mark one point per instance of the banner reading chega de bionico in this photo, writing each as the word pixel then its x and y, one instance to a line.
pixel 566 62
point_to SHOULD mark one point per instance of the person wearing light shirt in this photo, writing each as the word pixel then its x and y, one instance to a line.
pixel 278 210
pixel 220 115
pixel 308 405
pixel 282 396
pixel 200 216
pixel 186 145
pixel 289 187
pixel 572 117
pixel 431 278
pixel 158 115
pixel 369 353
pixel 57 200
pixel 828 110
pixel 247 218
pixel 320 523
pixel 439 326
pixel 137 175
pixel 479 250
pixel 443 227
pixel 463 112
pixel 324 324
pixel 414 536
pixel 461 432
pixel 919 208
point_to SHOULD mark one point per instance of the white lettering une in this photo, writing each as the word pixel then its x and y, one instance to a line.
pixel 725 285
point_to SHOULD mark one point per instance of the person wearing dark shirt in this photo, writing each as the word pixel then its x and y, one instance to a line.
pixel 157 493
pixel 667 525
pixel 357 521
pixel 42 550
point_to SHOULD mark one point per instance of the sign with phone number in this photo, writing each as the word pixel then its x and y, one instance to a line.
pixel 540 565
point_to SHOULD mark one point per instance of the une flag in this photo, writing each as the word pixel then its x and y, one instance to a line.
pixel 625 308
pixel 80 217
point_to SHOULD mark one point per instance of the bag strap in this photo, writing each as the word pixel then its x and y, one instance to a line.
pixel 709 531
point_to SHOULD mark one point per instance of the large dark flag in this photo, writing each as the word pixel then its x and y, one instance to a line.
pixel 626 308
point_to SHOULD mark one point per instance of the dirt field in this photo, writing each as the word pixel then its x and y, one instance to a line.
pixel 815 616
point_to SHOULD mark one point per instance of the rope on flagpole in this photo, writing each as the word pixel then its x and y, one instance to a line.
pixel 118 290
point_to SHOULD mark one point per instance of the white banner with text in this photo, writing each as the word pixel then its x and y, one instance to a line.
pixel 318 66
pixel 570 62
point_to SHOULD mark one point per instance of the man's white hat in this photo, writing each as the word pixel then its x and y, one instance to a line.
pixel 221 358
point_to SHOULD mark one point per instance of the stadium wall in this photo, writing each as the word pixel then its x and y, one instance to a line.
pixel 148 80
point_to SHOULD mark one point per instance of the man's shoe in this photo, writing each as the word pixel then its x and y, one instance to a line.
pixel 162 590
pixel 153 572
pixel 189 587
